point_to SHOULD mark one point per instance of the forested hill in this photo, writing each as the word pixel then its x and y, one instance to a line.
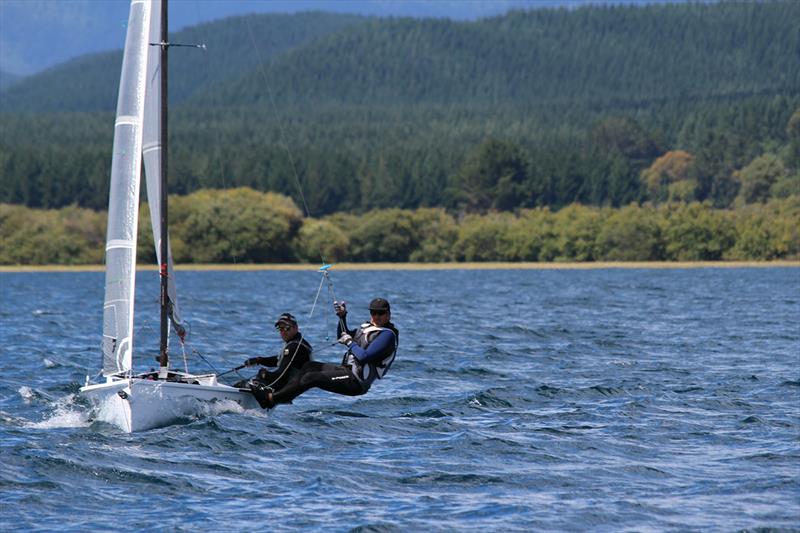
pixel 596 105
pixel 599 55
pixel 234 46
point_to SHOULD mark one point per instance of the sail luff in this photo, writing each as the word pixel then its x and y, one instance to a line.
pixel 123 200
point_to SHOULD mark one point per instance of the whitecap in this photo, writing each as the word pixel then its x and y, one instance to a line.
pixel 622 362
pixel 65 415
pixel 64 419
pixel 27 393
pixel 220 407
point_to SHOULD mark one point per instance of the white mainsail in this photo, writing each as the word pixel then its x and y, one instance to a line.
pixel 123 201
pixel 147 400
pixel 152 152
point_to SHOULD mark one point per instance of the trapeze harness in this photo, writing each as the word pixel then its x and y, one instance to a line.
pixel 366 372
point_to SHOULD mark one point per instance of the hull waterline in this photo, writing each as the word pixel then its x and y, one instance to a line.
pixel 138 404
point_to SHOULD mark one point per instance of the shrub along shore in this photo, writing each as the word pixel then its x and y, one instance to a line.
pixel 243 228
pixel 499 265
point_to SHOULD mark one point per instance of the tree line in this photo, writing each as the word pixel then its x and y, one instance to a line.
pixel 246 226
pixel 376 113
pixel 466 160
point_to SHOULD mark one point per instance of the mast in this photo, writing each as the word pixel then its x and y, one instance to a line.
pixel 163 358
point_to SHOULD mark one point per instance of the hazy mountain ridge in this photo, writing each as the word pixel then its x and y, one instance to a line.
pixel 599 54
pixel 7 79
pixel 233 46
pixel 39 34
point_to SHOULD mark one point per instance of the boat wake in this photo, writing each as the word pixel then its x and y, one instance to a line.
pixel 70 412
pixel 63 412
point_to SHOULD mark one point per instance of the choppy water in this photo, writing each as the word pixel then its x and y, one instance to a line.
pixel 601 400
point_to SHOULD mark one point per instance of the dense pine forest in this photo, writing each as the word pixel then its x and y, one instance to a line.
pixel 656 109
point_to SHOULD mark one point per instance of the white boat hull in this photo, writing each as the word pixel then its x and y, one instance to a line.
pixel 138 404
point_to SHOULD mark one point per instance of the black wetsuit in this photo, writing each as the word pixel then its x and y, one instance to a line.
pixel 296 353
pixel 364 361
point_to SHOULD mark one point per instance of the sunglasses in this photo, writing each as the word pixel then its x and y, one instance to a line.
pixel 378 313
pixel 283 328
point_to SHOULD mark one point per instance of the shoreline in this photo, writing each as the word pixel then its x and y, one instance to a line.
pixel 427 266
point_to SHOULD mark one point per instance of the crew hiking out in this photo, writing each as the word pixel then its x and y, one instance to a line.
pixel 371 349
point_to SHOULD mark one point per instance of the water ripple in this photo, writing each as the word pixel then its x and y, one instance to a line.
pixel 607 400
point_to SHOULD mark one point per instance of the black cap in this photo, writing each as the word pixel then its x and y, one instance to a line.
pixel 286 319
pixel 379 304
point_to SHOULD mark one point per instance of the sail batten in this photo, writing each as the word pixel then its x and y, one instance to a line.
pixel 123 201
pixel 127 121
pixel 110 245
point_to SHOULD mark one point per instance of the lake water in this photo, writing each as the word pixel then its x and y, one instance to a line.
pixel 601 400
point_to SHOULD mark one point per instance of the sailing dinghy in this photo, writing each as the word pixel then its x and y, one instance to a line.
pixel 137 402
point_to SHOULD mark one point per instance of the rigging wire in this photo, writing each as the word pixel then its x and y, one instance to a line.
pixel 281 130
pixel 201 356
pixel 324 269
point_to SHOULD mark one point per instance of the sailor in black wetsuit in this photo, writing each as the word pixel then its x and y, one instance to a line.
pixel 296 353
pixel 371 351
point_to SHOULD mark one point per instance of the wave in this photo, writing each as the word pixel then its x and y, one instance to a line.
pixel 66 413
pixel 476 480
pixel 489 398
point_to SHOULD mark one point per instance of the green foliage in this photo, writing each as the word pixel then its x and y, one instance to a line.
pixel 481 238
pixel 768 231
pixel 632 233
pixel 694 232
pixel 233 226
pixel 576 231
pixel 669 178
pixel 786 186
pixel 624 136
pixel 243 225
pixel 493 177
pixel 382 235
pixel 758 178
pixel 321 240
pixel 517 123
pixel 380 113
pixel 235 45
pixel 436 234
pixel 793 150
pixel 40 237
pixel 531 237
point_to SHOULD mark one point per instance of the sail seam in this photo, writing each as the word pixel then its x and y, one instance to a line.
pixel 127 120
